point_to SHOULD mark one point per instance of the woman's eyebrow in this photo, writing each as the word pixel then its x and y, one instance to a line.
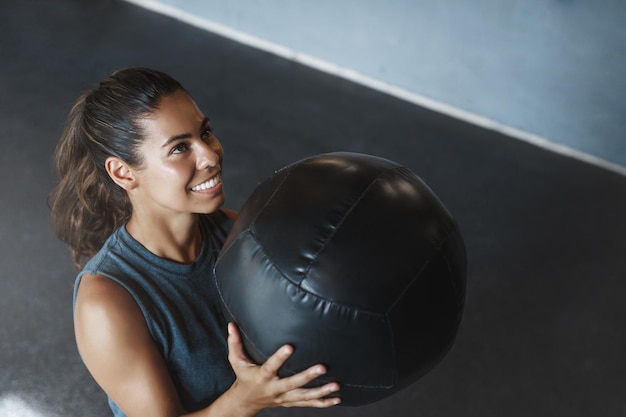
pixel 204 123
pixel 171 139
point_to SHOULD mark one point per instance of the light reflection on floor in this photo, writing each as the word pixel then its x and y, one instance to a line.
pixel 13 406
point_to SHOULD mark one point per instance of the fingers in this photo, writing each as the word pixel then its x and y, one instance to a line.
pixel 302 378
pixel 236 355
pixel 294 395
pixel 312 397
pixel 273 364
pixel 234 340
pixel 276 361
pixel 318 403
pixel 263 384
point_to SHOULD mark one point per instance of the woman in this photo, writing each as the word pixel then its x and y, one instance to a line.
pixel 139 197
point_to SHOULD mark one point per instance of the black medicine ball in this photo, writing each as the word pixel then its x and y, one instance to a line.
pixel 355 262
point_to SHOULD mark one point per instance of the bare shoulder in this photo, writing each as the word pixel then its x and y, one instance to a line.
pixel 100 292
pixel 103 304
pixel 117 348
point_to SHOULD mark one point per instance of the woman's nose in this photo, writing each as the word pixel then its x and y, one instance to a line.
pixel 209 155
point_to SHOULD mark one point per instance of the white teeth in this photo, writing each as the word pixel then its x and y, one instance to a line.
pixel 208 184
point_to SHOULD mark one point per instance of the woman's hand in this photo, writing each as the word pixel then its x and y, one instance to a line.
pixel 259 386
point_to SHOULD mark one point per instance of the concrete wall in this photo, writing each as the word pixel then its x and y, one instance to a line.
pixel 551 68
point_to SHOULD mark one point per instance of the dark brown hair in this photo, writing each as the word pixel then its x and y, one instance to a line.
pixel 86 205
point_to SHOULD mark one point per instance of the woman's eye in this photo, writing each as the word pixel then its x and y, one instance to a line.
pixel 207 133
pixel 181 147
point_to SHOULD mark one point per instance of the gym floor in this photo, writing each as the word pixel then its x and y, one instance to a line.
pixel 543 331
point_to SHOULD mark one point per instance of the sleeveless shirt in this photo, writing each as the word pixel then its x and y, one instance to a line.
pixel 181 307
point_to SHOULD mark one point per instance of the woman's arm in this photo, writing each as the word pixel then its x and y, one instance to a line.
pixel 117 348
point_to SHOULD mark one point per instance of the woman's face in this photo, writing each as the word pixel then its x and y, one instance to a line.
pixel 181 171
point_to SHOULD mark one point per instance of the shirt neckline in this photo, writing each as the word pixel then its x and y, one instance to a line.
pixel 156 261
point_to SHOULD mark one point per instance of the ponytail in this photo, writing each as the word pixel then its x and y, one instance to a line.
pixel 86 205
pixel 84 209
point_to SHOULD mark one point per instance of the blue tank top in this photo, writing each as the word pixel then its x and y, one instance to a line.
pixel 181 306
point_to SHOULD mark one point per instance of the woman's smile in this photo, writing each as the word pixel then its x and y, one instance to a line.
pixel 209 185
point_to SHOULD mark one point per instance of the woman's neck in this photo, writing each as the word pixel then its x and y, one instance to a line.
pixel 178 239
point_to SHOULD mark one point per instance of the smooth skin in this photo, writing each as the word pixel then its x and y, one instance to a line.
pixel 179 153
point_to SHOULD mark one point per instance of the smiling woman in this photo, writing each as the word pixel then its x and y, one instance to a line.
pixel 139 199
pixel 179 156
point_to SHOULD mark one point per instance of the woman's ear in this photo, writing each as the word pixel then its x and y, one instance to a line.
pixel 120 173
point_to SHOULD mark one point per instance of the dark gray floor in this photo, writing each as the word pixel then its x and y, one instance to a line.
pixel 543 333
